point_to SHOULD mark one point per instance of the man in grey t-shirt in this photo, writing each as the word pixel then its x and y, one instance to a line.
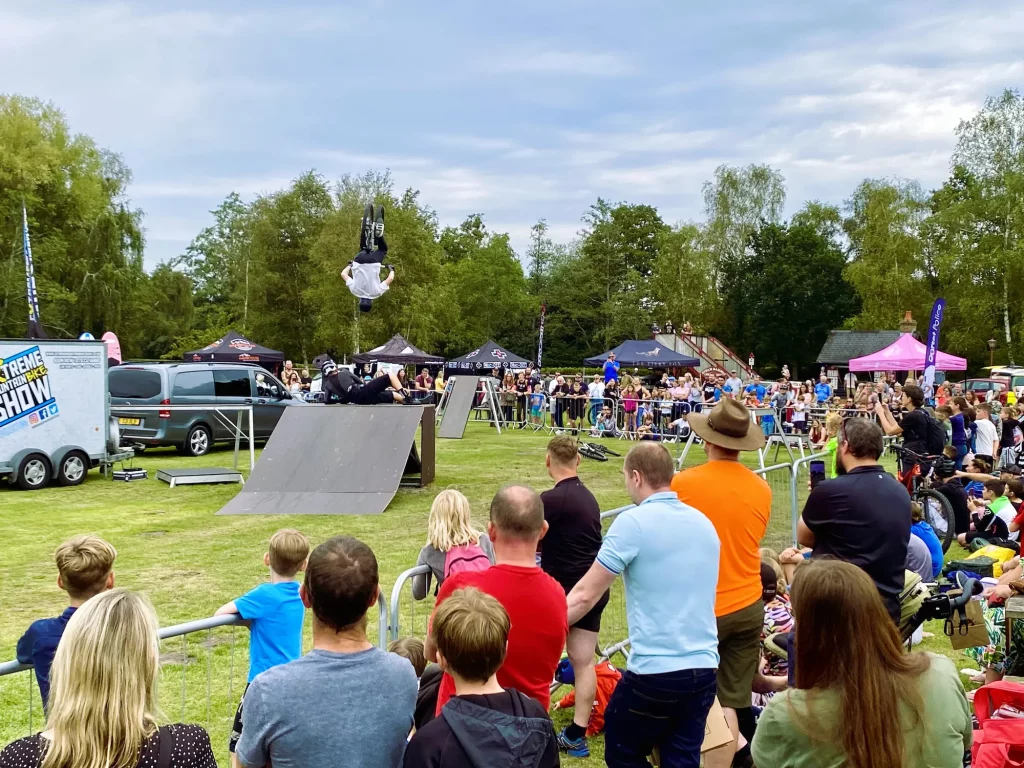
pixel 346 702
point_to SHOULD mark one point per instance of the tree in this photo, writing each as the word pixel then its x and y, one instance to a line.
pixel 990 147
pixel 887 266
pixel 87 240
pixel 218 261
pixel 683 283
pixel 787 292
pixel 735 204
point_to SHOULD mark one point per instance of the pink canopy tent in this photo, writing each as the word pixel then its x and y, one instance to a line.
pixel 905 354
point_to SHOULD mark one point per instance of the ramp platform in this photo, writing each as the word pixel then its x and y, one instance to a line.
pixel 199 476
pixel 338 460
pixel 456 412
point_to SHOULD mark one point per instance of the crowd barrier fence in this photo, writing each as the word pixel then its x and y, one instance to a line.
pixel 204 658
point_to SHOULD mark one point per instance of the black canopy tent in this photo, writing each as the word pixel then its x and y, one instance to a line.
pixel 485 357
pixel 397 350
pixel 645 354
pixel 235 348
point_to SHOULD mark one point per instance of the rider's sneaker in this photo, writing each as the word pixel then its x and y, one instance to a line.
pixel 577 748
pixel 378 228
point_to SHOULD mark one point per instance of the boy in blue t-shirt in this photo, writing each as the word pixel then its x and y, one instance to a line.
pixel 274 611
pixel 85 567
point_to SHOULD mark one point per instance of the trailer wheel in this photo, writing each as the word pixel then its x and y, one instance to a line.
pixel 73 468
pixel 34 472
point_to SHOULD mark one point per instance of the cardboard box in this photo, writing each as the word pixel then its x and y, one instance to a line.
pixel 716 732
pixel 716 729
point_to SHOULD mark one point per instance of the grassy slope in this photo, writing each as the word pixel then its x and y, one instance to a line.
pixel 189 561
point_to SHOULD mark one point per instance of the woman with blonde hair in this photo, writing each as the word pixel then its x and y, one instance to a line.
pixel 449 526
pixel 102 705
pixel 860 700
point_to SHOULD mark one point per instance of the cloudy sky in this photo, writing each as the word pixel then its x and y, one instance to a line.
pixel 516 110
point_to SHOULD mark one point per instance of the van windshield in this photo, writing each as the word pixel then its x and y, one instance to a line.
pixel 133 383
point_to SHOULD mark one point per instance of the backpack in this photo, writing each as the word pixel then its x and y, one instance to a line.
pixel 465 557
pixel 936 436
pixel 998 742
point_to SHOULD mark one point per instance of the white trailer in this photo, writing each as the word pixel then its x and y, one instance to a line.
pixel 54 411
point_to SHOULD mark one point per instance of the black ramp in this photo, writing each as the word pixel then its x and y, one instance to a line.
pixel 460 403
pixel 330 460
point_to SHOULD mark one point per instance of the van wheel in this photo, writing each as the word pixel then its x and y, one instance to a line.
pixel 198 441
pixel 72 469
pixel 34 472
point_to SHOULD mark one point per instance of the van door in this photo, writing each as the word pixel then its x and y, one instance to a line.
pixel 233 386
pixel 194 388
pixel 271 400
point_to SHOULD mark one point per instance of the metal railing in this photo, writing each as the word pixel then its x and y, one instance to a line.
pixel 215 672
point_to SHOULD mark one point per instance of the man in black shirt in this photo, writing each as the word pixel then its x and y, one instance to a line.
pixel 862 517
pixel 569 549
pixel 913 426
pixel 340 385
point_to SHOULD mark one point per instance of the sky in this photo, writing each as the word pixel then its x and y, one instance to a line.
pixel 518 111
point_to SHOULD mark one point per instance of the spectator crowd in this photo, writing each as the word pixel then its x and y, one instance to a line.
pixel 803 650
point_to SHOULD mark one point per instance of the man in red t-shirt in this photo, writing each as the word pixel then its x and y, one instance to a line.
pixel 535 602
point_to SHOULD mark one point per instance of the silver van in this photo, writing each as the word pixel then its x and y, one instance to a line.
pixel 204 385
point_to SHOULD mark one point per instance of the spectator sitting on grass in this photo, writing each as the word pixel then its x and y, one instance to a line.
pixel 533 600
pixel 346 700
pixel 449 529
pixel 990 518
pixel 923 530
pixel 274 612
pixel 103 701
pixel 85 567
pixel 916 713
pixel 605 426
pixel 483 724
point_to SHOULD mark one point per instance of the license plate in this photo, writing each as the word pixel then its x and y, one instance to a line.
pixel 129 422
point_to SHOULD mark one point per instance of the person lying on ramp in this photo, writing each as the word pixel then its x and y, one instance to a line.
pixel 340 385
pixel 362 275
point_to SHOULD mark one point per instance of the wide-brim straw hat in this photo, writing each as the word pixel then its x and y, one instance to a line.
pixel 727 425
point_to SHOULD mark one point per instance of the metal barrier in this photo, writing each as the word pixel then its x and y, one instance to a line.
pixel 404 622
pixel 781 532
pixel 216 673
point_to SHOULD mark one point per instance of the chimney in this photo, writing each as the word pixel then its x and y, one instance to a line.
pixel 909 324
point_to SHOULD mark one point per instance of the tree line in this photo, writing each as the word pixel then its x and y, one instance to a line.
pixel 270 267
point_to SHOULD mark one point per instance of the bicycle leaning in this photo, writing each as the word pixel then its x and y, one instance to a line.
pixel 917 479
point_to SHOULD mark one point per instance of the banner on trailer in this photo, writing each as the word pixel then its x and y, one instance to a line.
pixel 540 338
pixel 932 348
pixel 35 327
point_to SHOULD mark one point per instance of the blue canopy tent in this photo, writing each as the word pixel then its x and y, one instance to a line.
pixel 645 354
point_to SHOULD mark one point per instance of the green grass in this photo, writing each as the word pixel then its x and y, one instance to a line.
pixel 189 561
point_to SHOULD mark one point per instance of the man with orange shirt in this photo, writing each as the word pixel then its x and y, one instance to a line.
pixel 738 503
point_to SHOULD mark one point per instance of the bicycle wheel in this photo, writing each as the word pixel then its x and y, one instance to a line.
pixel 938 513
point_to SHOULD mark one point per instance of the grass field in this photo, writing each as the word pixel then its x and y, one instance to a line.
pixel 174 548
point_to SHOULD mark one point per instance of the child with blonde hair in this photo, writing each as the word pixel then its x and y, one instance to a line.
pixel 85 568
pixel 449 529
pixel 832 424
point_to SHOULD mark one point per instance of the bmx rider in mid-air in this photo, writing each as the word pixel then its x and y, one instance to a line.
pixel 362 275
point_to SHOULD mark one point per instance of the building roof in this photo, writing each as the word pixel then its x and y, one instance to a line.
pixel 842 346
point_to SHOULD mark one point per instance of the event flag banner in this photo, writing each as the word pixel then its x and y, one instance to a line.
pixel 540 338
pixel 932 348
pixel 35 327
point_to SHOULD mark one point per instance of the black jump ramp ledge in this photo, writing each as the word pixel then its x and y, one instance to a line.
pixel 338 460
pixel 460 403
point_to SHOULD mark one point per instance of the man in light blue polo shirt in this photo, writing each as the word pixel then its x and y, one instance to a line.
pixel 667 553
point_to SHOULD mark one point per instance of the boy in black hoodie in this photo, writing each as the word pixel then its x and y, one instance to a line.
pixel 484 725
